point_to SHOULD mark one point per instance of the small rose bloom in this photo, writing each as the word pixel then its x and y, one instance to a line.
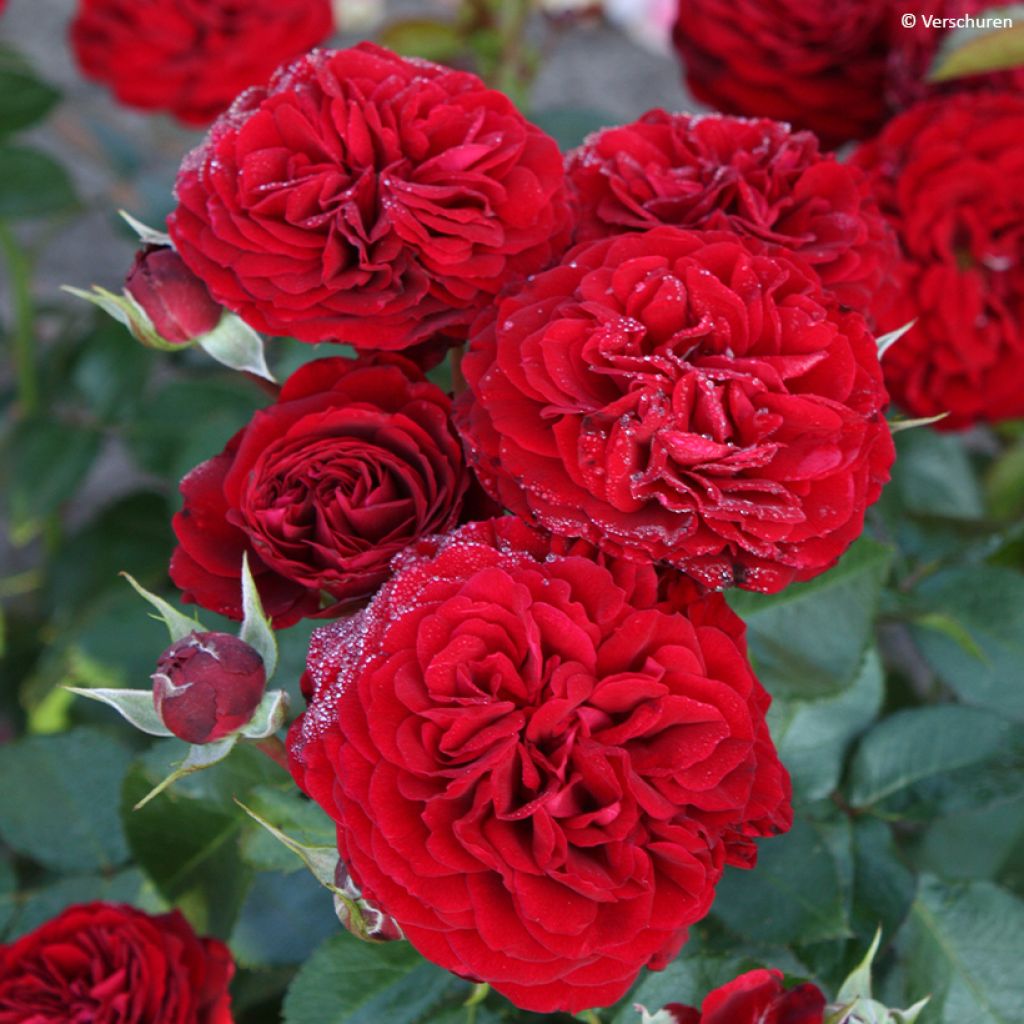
pixel 191 58
pixel 818 64
pixel 175 300
pixel 756 997
pixel 104 963
pixel 207 685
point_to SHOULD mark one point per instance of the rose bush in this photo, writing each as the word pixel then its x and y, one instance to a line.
pixel 757 178
pixel 683 397
pixel 104 963
pixel 950 176
pixel 192 57
pixel 537 766
pixel 819 64
pixel 355 459
pixel 369 199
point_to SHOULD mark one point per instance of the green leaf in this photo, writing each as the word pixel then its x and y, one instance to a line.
pixel 46 463
pixel 812 736
pixel 933 476
pixel 928 762
pixel 58 801
pixel 351 982
pixel 189 848
pixel 883 886
pixel 34 184
pixel 796 645
pixel 951 847
pixel 24 99
pixel 975 50
pixel 796 892
pixel 284 918
pixel 962 944
pixel 987 603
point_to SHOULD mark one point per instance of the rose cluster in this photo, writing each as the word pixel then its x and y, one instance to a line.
pixel 538 732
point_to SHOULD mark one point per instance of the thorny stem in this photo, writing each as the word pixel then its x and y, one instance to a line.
pixel 19 270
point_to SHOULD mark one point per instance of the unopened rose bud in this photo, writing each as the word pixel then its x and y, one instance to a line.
pixel 208 685
pixel 175 300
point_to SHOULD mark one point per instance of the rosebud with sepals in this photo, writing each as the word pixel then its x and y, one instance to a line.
pixel 208 685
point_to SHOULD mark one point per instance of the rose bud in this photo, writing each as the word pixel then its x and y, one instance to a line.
pixel 207 685
pixel 175 300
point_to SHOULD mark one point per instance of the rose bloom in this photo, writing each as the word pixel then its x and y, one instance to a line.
pixel 104 963
pixel 949 173
pixel 757 178
pixel 756 997
pixel 682 397
pixel 353 461
pixel 192 57
pixel 537 765
pixel 370 199
pixel 914 49
pixel 819 64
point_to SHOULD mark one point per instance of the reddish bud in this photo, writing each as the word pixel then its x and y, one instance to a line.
pixel 207 685
pixel 174 299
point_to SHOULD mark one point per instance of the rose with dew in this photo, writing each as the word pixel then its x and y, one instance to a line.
pixel 683 397
pixel 538 760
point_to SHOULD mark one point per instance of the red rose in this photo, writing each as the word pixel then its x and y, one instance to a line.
pixel 192 57
pixel 756 997
pixel 175 300
pixel 757 178
pixel 103 963
pixel 353 461
pixel 537 767
pixel 949 173
pixel 819 64
pixel 678 396
pixel 913 49
pixel 207 686
pixel 369 199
